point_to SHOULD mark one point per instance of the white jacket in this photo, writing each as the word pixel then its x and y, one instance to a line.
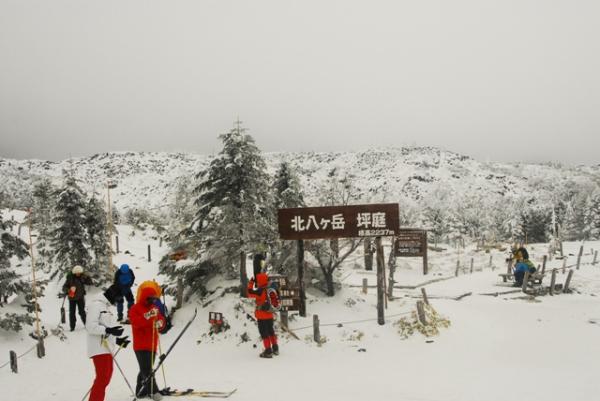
pixel 99 317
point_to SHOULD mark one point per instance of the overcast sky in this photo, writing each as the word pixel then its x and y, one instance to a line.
pixel 505 80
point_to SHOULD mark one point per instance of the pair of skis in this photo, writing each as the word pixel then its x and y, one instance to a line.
pixel 197 393
pixel 189 392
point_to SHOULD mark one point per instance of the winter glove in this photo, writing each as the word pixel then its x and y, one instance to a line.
pixel 123 342
pixel 115 331
pixel 151 313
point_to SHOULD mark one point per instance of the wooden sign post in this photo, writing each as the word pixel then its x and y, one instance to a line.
pixel 331 222
pixel 412 243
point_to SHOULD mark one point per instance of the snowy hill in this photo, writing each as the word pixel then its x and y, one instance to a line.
pixel 149 180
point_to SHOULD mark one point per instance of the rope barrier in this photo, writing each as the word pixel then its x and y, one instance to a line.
pixel 20 356
pixel 350 322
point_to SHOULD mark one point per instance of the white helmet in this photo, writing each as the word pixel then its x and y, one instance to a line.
pixel 77 270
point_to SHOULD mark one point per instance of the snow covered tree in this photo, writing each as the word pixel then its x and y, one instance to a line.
pixel 534 223
pixel 592 216
pixel 234 211
pixel 330 254
pixel 12 285
pixel 288 194
pixel 96 227
pixel 69 237
pixel 43 207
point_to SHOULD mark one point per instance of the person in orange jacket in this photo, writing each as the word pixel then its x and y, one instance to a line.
pixel 146 322
pixel 257 289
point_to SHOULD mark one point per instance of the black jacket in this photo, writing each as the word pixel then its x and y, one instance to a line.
pixel 79 283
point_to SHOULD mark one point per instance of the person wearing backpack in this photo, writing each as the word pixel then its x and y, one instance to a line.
pixel 258 288
pixel 124 279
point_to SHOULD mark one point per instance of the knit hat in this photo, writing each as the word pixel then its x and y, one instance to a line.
pixel 77 270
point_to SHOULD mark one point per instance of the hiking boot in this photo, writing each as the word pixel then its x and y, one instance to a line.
pixel 275 349
pixel 268 353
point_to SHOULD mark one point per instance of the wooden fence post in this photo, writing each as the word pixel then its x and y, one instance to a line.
pixel 544 264
pixel 425 257
pixel 564 265
pixel 117 242
pixel 421 313
pixel 19 230
pixel 365 287
pixel 525 280
pixel 380 282
pixel 316 331
pixel 457 267
pixel 368 254
pixel 472 262
pixel 160 242
pixel 149 254
pixel 283 315
pixel 509 266
pixel 243 275
pixel 424 293
pixel 595 258
pixel 300 267
pixel 568 282
pixel 552 281
pixel 179 295
pixel 579 256
pixel 13 362
pixel 41 349
pixel 491 265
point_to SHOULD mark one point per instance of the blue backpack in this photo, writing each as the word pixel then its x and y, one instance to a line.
pixel 125 276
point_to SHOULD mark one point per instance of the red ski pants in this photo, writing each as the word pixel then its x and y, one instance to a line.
pixel 104 369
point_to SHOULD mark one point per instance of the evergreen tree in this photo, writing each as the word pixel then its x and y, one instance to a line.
pixel 592 216
pixel 234 211
pixel 96 227
pixel 43 206
pixel 534 224
pixel 11 282
pixel 288 194
pixel 69 237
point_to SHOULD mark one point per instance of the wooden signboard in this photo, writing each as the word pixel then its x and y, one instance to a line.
pixel 352 221
pixel 410 243
pixel 288 295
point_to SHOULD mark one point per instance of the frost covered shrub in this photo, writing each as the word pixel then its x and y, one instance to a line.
pixel 408 326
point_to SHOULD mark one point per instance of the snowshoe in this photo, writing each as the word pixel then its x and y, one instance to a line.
pixel 268 353
pixel 157 397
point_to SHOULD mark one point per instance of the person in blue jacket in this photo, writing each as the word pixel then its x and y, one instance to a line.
pixel 124 279
pixel 522 266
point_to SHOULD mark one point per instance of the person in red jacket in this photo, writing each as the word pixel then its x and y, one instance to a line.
pixel 146 321
pixel 257 289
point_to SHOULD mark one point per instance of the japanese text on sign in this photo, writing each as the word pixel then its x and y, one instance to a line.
pixel 339 221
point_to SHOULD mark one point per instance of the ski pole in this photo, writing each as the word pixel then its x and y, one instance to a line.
pixel 122 373
pixel 162 366
pixel 164 356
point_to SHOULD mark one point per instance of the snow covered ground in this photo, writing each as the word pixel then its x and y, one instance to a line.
pixel 509 347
